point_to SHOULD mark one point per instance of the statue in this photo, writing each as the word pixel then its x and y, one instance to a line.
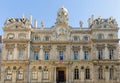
pixel 81 24
pixel 89 21
pixel 42 24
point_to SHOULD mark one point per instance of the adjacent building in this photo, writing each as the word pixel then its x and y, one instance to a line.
pixel 61 53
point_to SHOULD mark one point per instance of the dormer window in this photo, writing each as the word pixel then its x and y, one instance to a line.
pixel 100 36
pixel 47 38
pixel 75 38
pixel 110 36
pixel 85 38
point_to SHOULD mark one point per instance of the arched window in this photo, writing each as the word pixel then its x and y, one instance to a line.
pixel 34 75
pixel 45 73
pixel 111 73
pixel 20 74
pixel 100 36
pixel 76 73
pixel 87 73
pixel 8 74
pixel 100 73
pixel 75 55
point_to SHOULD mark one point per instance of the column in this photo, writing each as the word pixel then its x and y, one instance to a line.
pixel 106 75
pixel 106 53
pixel 3 77
pixel 15 52
pixel 81 52
pixel 14 77
pixel 39 76
pixel 67 73
pixel 54 74
pixel 70 74
pixel 82 75
pixel 41 53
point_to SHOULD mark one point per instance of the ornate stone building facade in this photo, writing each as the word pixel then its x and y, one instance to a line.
pixel 61 53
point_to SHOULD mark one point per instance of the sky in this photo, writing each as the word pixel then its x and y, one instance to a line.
pixel 46 10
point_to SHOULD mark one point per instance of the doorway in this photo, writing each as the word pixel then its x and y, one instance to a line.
pixel 61 75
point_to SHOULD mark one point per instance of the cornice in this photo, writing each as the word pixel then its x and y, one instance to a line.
pixel 104 29
pixel 5 40
pixel 105 40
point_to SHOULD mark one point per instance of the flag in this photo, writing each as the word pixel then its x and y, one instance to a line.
pixel 61 59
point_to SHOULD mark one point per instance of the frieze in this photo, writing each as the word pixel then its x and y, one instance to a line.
pixel 102 46
pixel 86 47
pixel 75 47
pixel 21 46
pixel 35 48
pixel 111 46
pixel 60 47
pixel 46 47
pixel 10 46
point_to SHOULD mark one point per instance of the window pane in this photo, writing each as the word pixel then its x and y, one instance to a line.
pixel 100 53
pixel 46 55
pixel 76 74
pixel 35 55
pixel 75 55
pixel 85 55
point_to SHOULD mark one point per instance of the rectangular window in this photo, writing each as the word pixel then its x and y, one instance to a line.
pixel 60 55
pixel 75 55
pixel 21 54
pixel 100 53
pixel 76 74
pixel 111 52
pixel 46 55
pixel 10 54
pixel 35 55
pixel 85 55
pixel 111 73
